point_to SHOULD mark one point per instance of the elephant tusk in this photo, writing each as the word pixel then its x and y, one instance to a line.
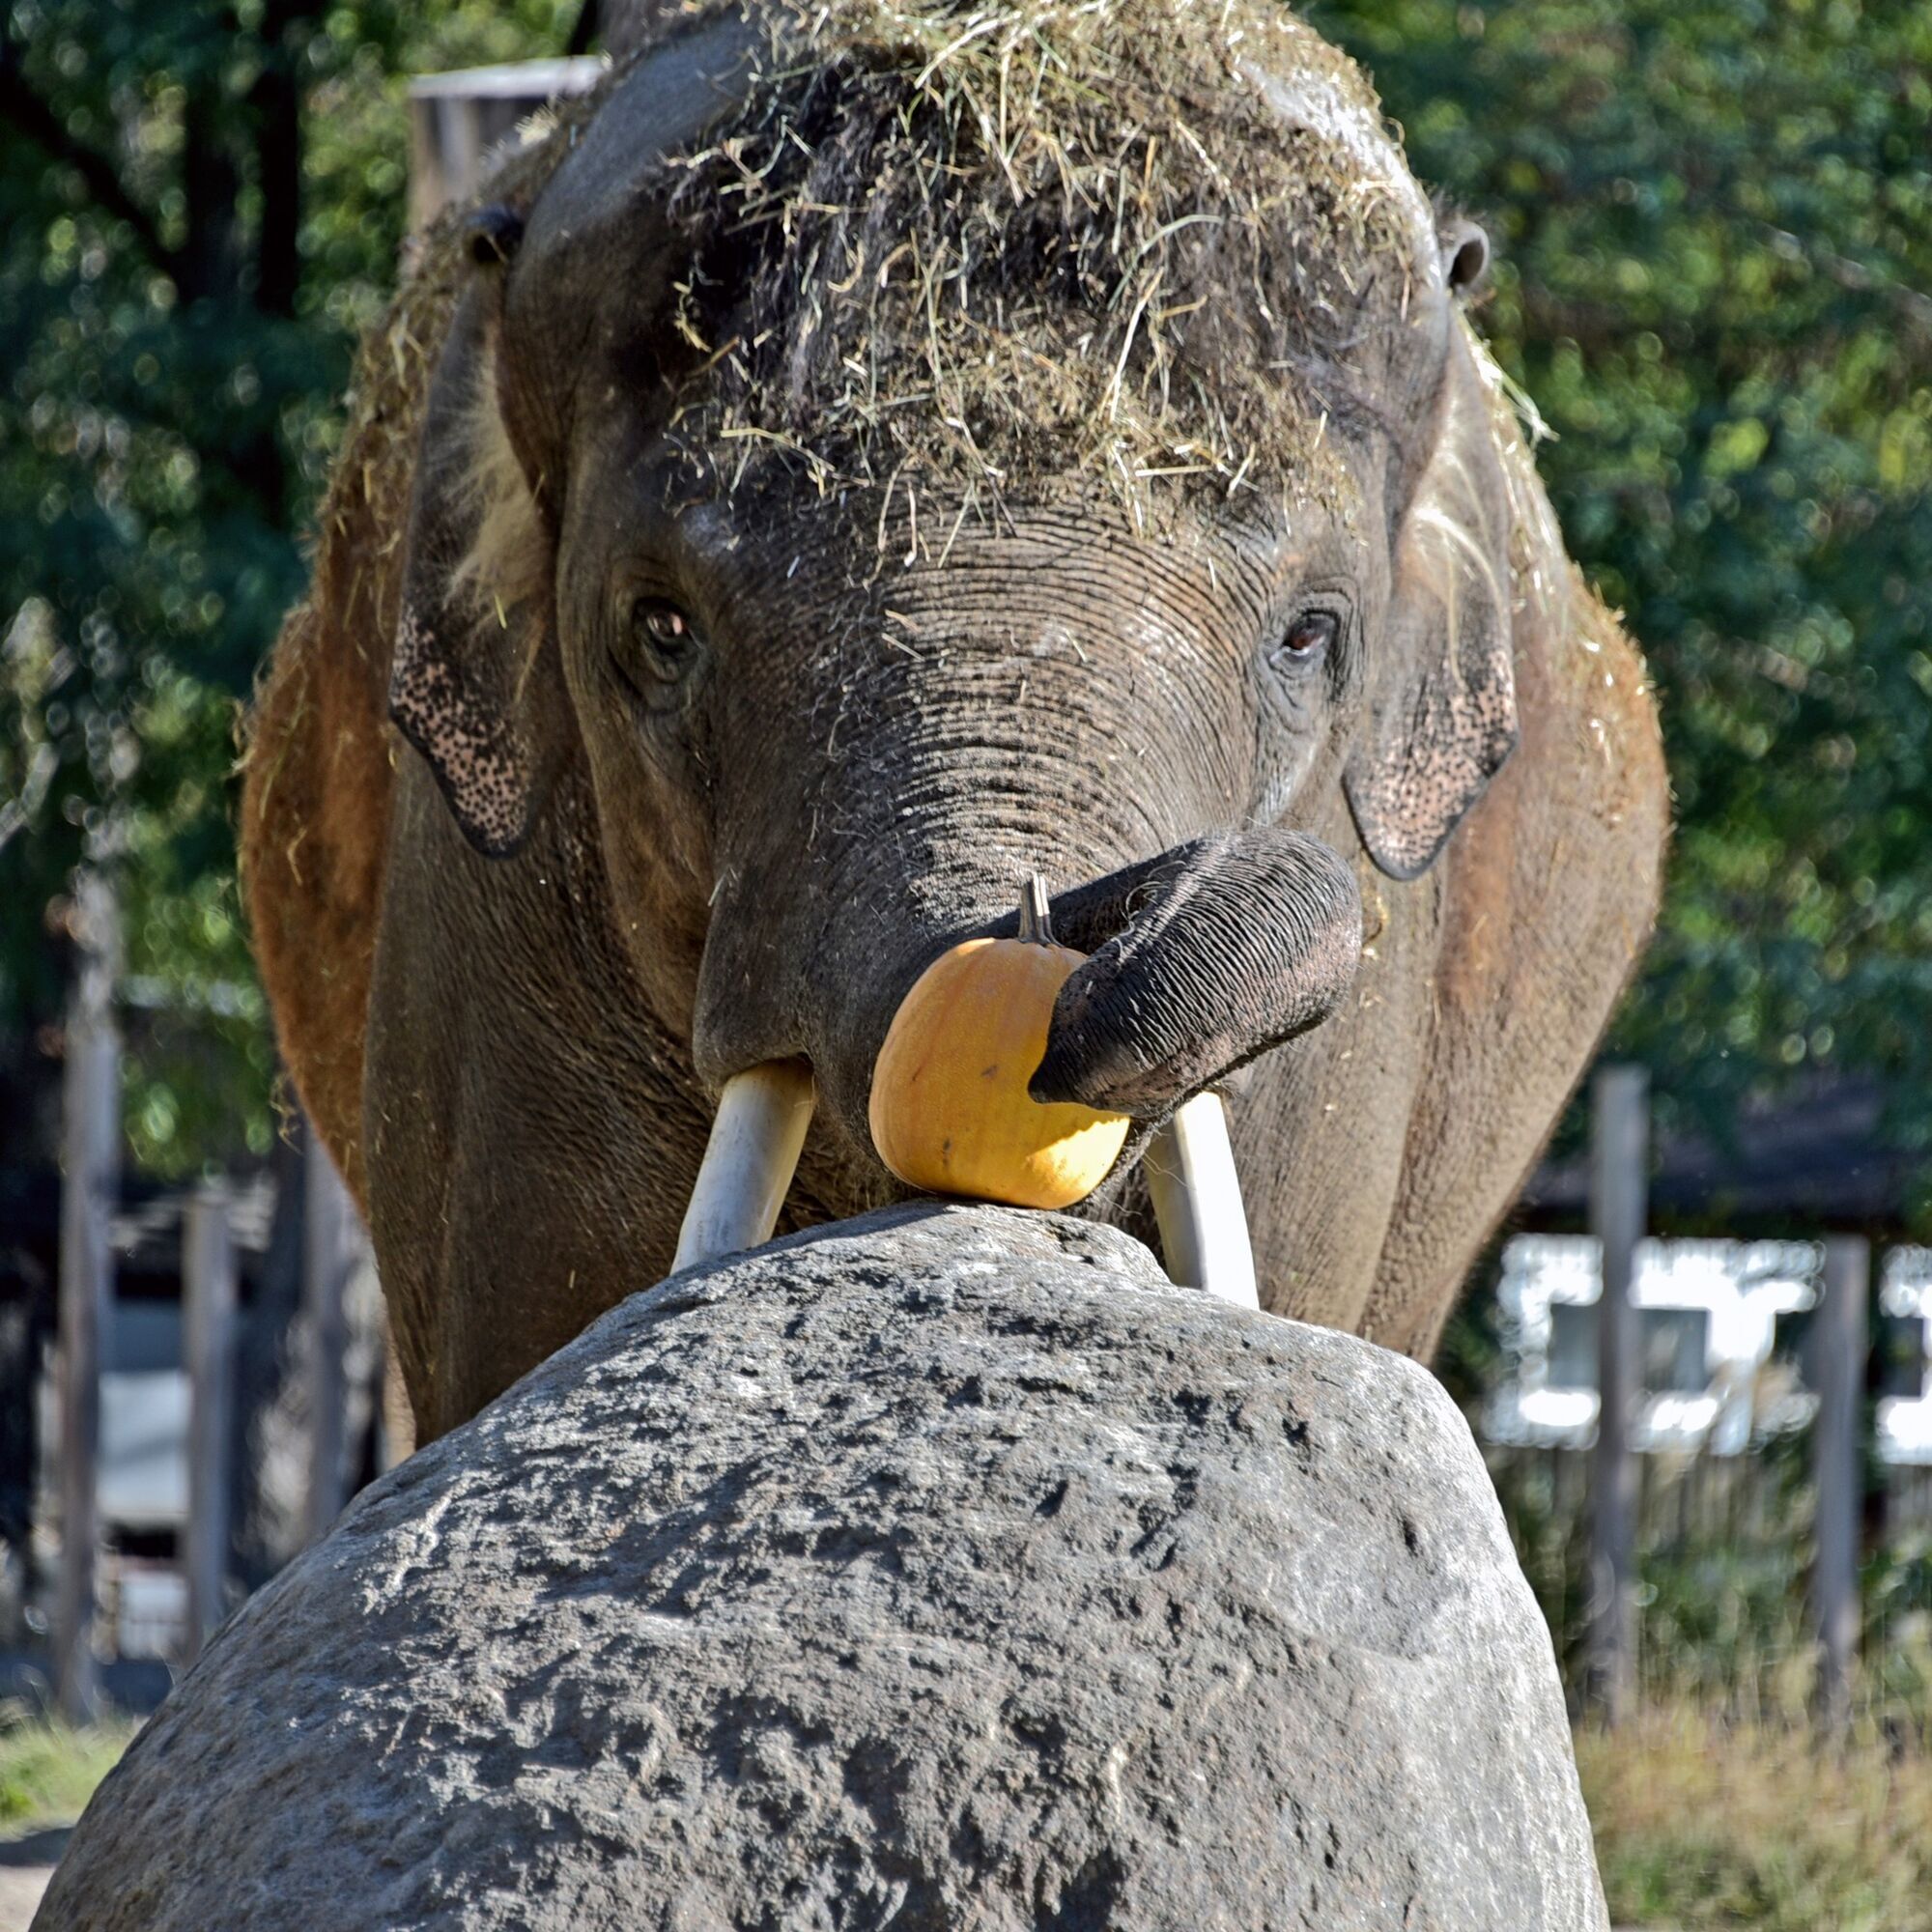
pixel 749 1161
pixel 1196 1199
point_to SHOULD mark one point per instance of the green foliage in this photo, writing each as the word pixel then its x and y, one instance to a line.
pixel 48 1770
pixel 202 208
pixel 1714 228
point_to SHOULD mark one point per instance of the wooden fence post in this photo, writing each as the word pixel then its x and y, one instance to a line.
pixel 1839 1343
pixel 1619 1205
pixel 208 1287
pixel 330 1232
pixel 89 1184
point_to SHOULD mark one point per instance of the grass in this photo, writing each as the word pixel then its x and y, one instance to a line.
pixel 1704 1822
pixel 48 1770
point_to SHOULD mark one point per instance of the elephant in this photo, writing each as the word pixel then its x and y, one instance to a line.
pixel 859 458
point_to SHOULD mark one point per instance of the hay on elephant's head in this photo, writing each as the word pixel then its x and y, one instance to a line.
pixel 1032 238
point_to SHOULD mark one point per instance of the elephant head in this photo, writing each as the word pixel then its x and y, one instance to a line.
pixel 879 501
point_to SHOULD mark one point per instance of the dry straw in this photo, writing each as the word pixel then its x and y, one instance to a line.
pixel 1016 243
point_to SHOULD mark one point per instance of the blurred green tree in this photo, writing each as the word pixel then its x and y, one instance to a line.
pixel 1714 228
pixel 201 205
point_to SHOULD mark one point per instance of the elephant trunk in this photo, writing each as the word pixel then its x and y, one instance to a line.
pixel 1202 958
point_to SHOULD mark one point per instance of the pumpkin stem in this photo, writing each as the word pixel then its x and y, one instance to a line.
pixel 1035 922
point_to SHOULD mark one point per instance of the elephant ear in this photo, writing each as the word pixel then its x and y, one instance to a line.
pixel 477 685
pixel 470 685
pixel 1443 711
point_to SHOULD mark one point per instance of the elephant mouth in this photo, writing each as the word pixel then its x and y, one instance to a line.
pixel 758 1133
pixel 1197 962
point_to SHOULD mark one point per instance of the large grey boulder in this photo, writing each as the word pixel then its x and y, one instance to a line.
pixel 943 1569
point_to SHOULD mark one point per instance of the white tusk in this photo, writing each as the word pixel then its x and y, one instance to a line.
pixel 1196 1199
pixel 749 1161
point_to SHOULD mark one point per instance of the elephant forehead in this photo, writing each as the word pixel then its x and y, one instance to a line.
pixel 591 201
pixel 1062 584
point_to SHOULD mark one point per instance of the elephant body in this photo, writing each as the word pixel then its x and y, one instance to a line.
pixel 516 945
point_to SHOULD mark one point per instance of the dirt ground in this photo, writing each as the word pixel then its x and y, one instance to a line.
pixel 26 1863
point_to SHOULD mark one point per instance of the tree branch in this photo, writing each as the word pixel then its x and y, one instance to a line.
pixel 586 29
pixel 277 107
pixel 27 114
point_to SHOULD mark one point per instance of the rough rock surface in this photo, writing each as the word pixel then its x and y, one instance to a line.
pixel 943 1569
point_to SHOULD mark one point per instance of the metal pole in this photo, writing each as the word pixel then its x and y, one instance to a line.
pixel 328 1231
pixel 90 1182
pixel 1839 1373
pixel 1619 1202
pixel 208 1286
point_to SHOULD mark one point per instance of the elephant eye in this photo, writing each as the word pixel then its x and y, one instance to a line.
pixel 663 637
pixel 1307 640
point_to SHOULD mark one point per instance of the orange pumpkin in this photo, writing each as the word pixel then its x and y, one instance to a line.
pixel 950 1109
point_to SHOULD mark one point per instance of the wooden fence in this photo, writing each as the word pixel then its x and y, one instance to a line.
pixel 334 1240
pixel 1607 1491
